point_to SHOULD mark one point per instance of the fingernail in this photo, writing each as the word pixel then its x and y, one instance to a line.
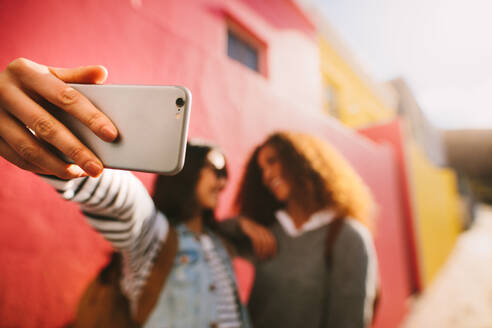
pixel 109 133
pixel 76 171
pixel 93 168
pixel 102 78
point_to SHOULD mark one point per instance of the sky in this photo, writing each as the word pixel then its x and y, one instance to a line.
pixel 443 50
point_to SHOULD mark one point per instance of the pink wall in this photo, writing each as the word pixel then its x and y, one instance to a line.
pixel 48 253
pixel 393 133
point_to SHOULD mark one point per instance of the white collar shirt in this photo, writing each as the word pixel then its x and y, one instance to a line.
pixel 317 220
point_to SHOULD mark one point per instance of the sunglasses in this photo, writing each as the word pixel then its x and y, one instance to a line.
pixel 216 161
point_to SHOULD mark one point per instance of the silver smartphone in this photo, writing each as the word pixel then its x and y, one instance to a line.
pixel 152 122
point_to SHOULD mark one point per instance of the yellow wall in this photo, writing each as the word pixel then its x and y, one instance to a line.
pixel 436 199
pixel 437 212
pixel 356 103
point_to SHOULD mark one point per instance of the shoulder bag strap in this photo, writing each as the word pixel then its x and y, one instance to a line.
pixel 157 278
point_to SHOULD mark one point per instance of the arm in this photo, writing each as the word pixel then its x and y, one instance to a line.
pixel 118 206
pixel 249 238
pixel 351 287
pixel 231 231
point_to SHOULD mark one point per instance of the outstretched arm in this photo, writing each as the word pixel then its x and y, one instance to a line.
pixel 118 206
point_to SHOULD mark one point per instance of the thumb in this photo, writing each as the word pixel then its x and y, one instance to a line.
pixel 94 74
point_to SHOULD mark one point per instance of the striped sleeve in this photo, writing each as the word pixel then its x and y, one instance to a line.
pixel 117 205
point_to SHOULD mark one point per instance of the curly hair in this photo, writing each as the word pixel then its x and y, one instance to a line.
pixel 319 177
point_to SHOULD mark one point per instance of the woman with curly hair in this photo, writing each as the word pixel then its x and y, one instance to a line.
pixel 320 269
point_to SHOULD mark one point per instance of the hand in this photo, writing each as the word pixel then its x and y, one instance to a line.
pixel 264 243
pixel 24 82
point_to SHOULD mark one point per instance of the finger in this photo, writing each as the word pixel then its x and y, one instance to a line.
pixel 40 79
pixel 269 242
pixel 96 74
pixel 255 240
pixel 261 243
pixel 31 151
pixel 10 155
pixel 53 132
pixel 252 231
pixel 85 74
pixel 259 250
pixel 244 225
pixel 258 237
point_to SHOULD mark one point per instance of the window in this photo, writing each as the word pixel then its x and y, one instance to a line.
pixel 238 49
pixel 245 47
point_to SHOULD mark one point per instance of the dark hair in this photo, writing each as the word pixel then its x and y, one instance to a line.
pixel 320 177
pixel 175 195
pixel 256 201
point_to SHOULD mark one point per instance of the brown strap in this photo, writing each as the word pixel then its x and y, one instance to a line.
pixel 157 278
pixel 103 304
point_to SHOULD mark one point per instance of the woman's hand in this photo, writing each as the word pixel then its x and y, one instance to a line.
pixel 22 84
pixel 264 243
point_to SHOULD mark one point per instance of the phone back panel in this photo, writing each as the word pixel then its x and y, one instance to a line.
pixel 152 128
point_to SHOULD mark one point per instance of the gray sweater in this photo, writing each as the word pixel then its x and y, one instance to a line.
pixel 297 289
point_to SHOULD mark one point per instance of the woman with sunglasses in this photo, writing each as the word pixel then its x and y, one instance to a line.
pixel 176 270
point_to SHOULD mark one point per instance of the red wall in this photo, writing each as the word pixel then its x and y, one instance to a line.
pixel 48 253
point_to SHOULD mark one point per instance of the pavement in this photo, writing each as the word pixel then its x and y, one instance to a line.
pixel 461 294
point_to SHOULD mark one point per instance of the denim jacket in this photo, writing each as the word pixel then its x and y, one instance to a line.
pixel 188 300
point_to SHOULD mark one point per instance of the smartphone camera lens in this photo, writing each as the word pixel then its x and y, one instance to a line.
pixel 180 102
